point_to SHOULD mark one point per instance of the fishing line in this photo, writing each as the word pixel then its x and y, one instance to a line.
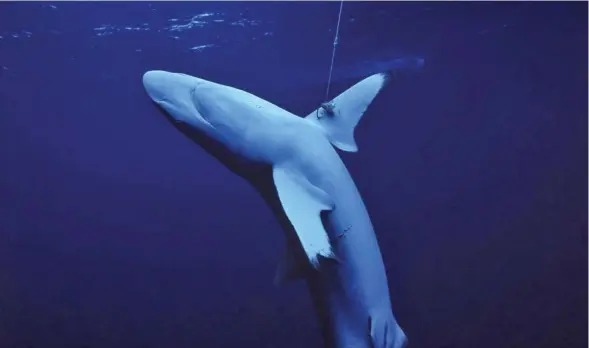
pixel 327 106
pixel 335 42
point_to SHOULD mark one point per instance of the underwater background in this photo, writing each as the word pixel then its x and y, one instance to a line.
pixel 117 231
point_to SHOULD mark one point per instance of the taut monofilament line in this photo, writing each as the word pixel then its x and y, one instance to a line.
pixel 335 42
pixel 326 105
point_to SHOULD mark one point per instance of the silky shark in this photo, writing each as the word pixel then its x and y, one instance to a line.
pixel 293 163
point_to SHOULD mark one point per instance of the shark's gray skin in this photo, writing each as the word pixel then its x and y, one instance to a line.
pixel 292 162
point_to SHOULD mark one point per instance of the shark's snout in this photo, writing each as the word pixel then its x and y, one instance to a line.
pixel 150 76
pixel 155 82
pixel 164 85
pixel 154 76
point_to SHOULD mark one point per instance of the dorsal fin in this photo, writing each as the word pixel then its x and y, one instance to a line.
pixel 339 117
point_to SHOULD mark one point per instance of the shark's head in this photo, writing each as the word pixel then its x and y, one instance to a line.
pixel 208 113
pixel 178 95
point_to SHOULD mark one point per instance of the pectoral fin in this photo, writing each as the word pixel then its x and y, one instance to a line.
pixel 303 203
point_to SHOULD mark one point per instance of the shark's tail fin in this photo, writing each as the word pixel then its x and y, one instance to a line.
pixel 340 116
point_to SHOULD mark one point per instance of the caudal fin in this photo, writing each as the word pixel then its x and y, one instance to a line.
pixel 340 116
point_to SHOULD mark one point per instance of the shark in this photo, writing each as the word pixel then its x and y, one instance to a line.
pixel 293 163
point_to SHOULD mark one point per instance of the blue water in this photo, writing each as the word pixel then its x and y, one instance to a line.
pixel 116 231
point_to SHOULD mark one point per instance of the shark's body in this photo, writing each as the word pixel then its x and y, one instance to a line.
pixel 330 240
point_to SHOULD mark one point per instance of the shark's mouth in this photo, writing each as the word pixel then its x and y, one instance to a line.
pixel 164 106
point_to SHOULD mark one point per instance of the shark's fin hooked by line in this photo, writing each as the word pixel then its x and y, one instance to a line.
pixel 303 203
pixel 339 117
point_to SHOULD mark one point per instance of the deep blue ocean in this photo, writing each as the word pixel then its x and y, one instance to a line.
pixel 116 231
